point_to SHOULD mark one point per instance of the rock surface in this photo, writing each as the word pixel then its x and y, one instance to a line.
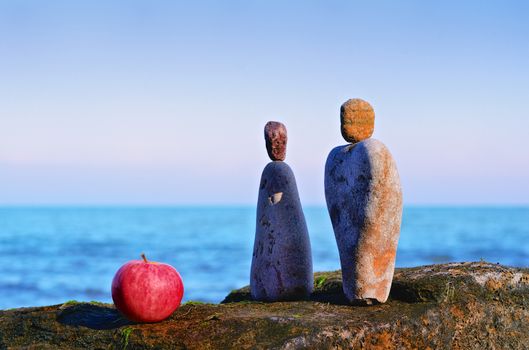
pixel 357 120
pixel 451 306
pixel 276 140
pixel 364 198
pixel 282 260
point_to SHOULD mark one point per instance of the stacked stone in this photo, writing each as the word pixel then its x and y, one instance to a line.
pixel 364 199
pixel 282 260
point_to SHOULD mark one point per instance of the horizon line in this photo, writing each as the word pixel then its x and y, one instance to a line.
pixel 237 205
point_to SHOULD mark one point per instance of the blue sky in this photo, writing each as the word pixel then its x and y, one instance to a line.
pixel 162 102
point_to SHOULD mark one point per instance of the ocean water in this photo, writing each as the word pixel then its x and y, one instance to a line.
pixel 50 255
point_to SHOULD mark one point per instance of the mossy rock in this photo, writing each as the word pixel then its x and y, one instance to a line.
pixel 459 305
pixel 327 288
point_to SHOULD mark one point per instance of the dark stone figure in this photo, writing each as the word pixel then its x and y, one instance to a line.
pixel 282 260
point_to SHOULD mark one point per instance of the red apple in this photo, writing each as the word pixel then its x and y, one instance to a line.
pixel 147 291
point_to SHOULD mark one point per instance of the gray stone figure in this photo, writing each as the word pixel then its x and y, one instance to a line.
pixel 282 260
pixel 364 199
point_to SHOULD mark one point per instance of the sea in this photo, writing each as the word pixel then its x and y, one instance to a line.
pixel 50 255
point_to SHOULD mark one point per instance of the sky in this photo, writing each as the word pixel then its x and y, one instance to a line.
pixel 164 102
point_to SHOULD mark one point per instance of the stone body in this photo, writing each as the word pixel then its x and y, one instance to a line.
pixel 364 199
pixel 276 140
pixel 282 260
pixel 357 119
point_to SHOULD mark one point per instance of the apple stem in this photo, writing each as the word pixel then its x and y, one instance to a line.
pixel 144 258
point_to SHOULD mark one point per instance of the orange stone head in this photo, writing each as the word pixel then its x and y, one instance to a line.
pixel 276 140
pixel 357 119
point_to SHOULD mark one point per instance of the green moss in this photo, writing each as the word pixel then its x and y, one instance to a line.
pixel 125 334
pixel 75 302
pixel 243 302
pixel 196 303
pixel 319 281
pixel 237 295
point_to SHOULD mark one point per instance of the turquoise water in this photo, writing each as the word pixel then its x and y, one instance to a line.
pixel 52 254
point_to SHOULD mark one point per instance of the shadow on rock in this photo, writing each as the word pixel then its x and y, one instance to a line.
pixel 333 294
pixel 92 316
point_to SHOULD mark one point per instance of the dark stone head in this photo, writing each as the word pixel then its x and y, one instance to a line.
pixel 276 140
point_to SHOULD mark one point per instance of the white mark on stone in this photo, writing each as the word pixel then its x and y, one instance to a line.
pixel 275 198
